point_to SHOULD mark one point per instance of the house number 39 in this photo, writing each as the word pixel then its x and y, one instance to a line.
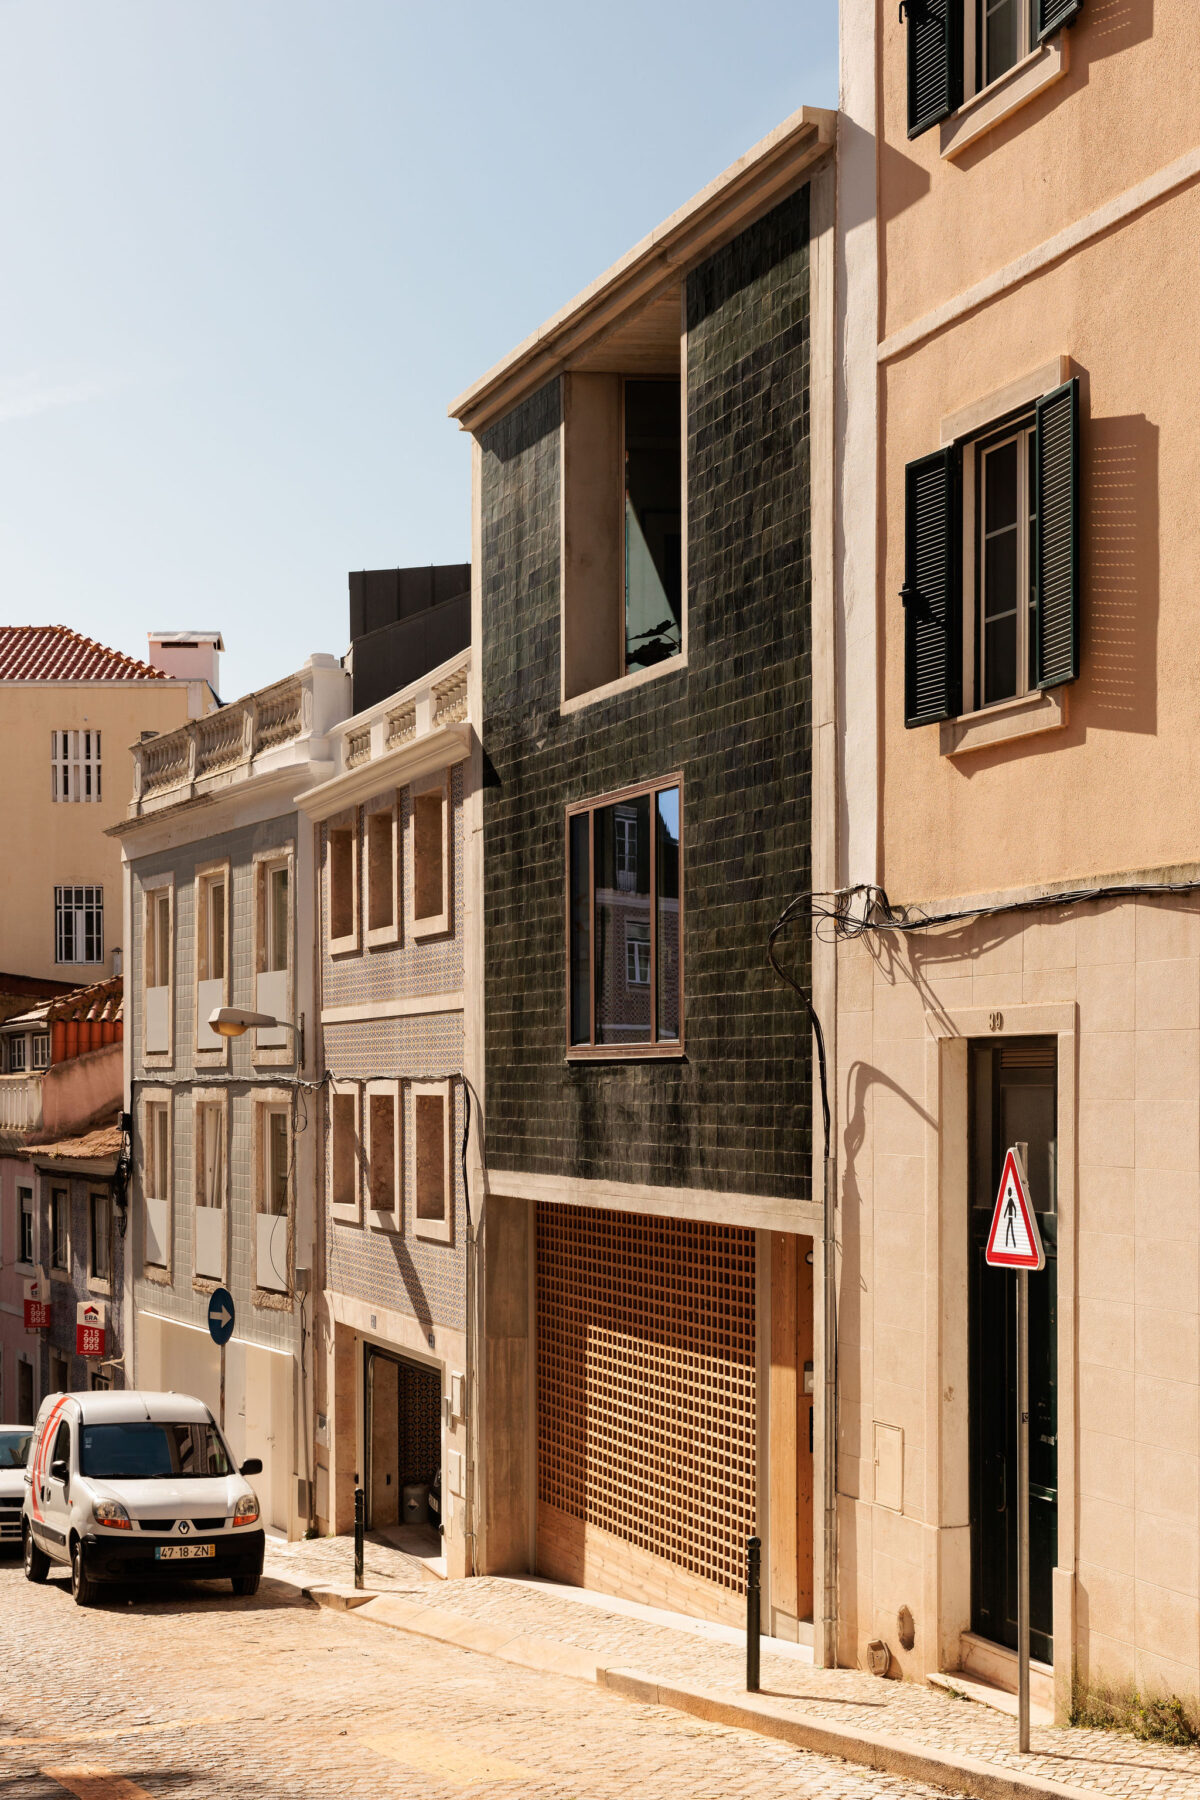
pixel 996 1021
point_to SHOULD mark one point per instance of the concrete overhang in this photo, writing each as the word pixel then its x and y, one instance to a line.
pixel 644 285
pixel 440 749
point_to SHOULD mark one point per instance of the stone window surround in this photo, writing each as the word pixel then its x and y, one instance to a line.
pixel 385 806
pixel 1029 76
pixel 437 1230
pixel 347 943
pixel 201 1097
pixel 263 1102
pixel 208 1056
pixel 152 886
pixel 441 923
pixel 343 1213
pixel 263 863
pixel 162 1273
pixel 385 1218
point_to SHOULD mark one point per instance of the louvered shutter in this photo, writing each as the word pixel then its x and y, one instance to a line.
pixel 932 591
pixel 1049 15
pixel 935 61
pixel 1056 537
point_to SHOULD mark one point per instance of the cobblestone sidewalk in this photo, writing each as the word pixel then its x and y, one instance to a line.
pixel 1110 1763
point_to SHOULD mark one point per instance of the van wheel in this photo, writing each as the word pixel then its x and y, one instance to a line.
pixel 244 1584
pixel 37 1563
pixel 83 1588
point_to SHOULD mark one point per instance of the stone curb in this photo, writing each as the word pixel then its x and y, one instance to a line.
pixel 892 1756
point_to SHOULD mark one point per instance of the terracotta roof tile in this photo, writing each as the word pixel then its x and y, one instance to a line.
pixel 91 1147
pixel 56 653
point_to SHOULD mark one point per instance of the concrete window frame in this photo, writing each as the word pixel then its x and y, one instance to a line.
pixel 383 888
pixel 158 1208
pixel 343 1152
pixel 209 1235
pixel 274 987
pixel 273 1247
pixel 592 534
pixel 343 900
pixel 210 991
pixel 433 1174
pixel 158 1014
pixel 946 1422
pixel 384 1151
pixel 430 848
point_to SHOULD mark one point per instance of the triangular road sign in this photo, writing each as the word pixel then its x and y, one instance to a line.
pixel 1014 1241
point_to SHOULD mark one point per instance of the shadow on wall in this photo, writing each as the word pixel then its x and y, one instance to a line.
pixel 413 1285
pixel 1110 26
pixel 1119 535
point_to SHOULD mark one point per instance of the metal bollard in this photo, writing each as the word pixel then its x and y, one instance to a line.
pixel 360 1508
pixel 753 1611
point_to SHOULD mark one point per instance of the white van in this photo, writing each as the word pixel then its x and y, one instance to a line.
pixel 134 1487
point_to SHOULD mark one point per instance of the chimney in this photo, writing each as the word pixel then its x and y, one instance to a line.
pixel 188 655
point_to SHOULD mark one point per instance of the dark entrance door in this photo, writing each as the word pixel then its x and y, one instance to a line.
pixel 1013 1100
pixel 403 1432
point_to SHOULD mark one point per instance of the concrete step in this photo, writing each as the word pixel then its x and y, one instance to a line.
pixel 986 1693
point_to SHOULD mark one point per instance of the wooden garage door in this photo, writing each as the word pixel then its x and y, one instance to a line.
pixel 646 1406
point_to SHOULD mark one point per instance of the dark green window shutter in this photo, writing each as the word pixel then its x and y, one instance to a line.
pixel 1049 15
pixel 935 61
pixel 1056 538
pixel 932 591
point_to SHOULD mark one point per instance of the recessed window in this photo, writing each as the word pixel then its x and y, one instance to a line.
pixel 25 1212
pixel 622 563
pixel 1005 596
pixel 156 1180
pixel 99 1237
pixel 156 963
pixel 60 1254
pixel 210 1154
pixel 212 929
pixel 41 1049
pixel 277 949
pixel 431 1128
pixel 343 887
pixel 274 1182
pixel 79 924
pixel 344 1153
pixel 16 1055
pixel 385 1160
pixel 431 859
pixel 625 944
pixel 381 875
pixel 75 765
pixel 958 47
pixel 273 956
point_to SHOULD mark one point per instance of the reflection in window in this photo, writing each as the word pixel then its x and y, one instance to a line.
pixel 1008 520
pixel 653 528
pixel 624 922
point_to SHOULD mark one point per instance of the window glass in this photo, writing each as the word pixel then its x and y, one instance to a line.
pixel 62 1440
pixel 653 529
pixel 26 1201
pixel 14 1449
pixel 277 932
pixel 277 1163
pixel 41 1050
pixel 215 958
pixel 147 1450
pixel 16 1054
pixel 210 1150
pixel 624 922
pixel 100 1219
pixel 58 1229
pixel 1005 614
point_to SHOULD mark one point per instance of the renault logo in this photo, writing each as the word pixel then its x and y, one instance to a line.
pixel 184 1528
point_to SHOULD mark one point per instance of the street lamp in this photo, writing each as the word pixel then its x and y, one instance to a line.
pixel 236 1021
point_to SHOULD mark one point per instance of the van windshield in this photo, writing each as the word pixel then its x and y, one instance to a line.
pixel 14 1449
pixel 150 1450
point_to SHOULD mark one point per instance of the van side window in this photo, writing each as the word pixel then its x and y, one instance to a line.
pixel 62 1445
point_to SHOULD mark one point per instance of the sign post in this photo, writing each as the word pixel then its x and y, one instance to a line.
pixel 1015 1242
pixel 220 1329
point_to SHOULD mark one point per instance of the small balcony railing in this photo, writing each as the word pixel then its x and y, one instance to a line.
pixel 224 740
pixel 20 1102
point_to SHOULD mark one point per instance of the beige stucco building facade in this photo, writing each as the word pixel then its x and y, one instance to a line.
pixel 1016 450
pixel 69 711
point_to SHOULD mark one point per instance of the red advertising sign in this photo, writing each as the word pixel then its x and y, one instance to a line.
pixel 91 1328
pixel 37 1304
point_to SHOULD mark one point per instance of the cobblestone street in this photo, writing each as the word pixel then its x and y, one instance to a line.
pixel 194 1694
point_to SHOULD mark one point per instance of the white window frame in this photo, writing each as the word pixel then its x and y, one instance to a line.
pixel 204 1099
pixel 99 1284
pixel 975 53
pixel 274 1046
pixel 75 765
pixel 23 1261
pixel 347 942
pixel 386 809
pixel 385 1218
pixel 440 923
pixel 213 1049
pixel 266 1103
pixel 1021 430
pixel 154 1177
pixel 92 902
pixel 437 1230
pixel 41 1051
pixel 345 1213
pixel 153 890
pixel 18 1059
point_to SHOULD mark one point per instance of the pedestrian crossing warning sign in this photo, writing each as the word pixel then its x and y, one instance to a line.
pixel 1014 1241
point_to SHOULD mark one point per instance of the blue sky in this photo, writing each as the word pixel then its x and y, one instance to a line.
pixel 253 248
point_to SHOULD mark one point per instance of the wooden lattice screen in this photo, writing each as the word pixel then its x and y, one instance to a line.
pixel 646 1383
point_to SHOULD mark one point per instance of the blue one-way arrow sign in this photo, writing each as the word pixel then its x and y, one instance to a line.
pixel 220 1316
